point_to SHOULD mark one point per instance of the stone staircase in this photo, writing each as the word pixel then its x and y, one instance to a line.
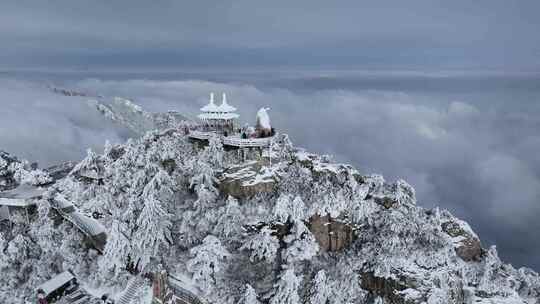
pixel 78 297
pixel 134 285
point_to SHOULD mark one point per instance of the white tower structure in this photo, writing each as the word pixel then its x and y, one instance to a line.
pixel 218 118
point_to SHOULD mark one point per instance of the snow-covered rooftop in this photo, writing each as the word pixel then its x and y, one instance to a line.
pixel 56 282
pixel 210 107
pixel 24 191
pixel 213 111
pixel 225 107
pixel 22 196
pixel 89 225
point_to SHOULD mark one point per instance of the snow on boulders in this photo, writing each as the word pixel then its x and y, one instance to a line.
pixel 248 179
pixel 466 243
pixel 321 168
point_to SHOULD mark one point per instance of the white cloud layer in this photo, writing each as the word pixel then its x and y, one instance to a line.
pixel 42 126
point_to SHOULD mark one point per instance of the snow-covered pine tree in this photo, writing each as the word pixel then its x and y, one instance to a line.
pixel 489 282
pixel 286 289
pixel 288 210
pixel 229 223
pixel 263 246
pixel 301 244
pixel 117 250
pixel 153 232
pixel 320 290
pixel 206 261
pixel 249 296
pixel 3 165
pixel 213 153
pixel 203 178
pixel 273 152
pixel 107 149
pixel 160 187
pixel 344 284
pixel 44 233
pixel 404 192
pixel 330 203
pixel 91 166
pixel 286 146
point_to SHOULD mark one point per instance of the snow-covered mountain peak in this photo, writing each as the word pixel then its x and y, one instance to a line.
pixel 244 228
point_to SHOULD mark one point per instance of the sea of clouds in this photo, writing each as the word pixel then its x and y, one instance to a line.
pixel 461 151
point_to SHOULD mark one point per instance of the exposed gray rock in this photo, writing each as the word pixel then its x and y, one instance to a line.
pixel 322 168
pixel 385 288
pixel 467 245
pixel 331 235
pixel 385 201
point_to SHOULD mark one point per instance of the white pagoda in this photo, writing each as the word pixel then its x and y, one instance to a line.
pixel 220 118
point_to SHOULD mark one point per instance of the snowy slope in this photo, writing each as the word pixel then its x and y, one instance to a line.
pixel 132 116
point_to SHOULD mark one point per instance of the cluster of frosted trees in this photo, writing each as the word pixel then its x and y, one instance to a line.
pixel 20 172
pixel 153 212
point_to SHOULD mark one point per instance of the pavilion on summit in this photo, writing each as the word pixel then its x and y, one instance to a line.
pixel 222 121
pixel 220 118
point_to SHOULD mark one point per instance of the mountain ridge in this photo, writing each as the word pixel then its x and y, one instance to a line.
pixel 312 232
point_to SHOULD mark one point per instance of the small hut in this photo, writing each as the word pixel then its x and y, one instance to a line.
pixel 23 199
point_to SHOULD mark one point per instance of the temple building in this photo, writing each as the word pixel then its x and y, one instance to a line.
pixel 220 118
pixel 222 121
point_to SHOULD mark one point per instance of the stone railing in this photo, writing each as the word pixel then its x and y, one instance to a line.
pixel 234 141
pixel 246 142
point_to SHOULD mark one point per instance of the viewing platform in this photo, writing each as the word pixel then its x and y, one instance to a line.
pixel 201 135
pixel 221 121
pixel 232 141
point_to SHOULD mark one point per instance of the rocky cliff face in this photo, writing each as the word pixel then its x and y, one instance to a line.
pixel 332 235
pixel 466 243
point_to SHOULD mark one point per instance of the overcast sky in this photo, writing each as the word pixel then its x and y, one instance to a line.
pixel 421 34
